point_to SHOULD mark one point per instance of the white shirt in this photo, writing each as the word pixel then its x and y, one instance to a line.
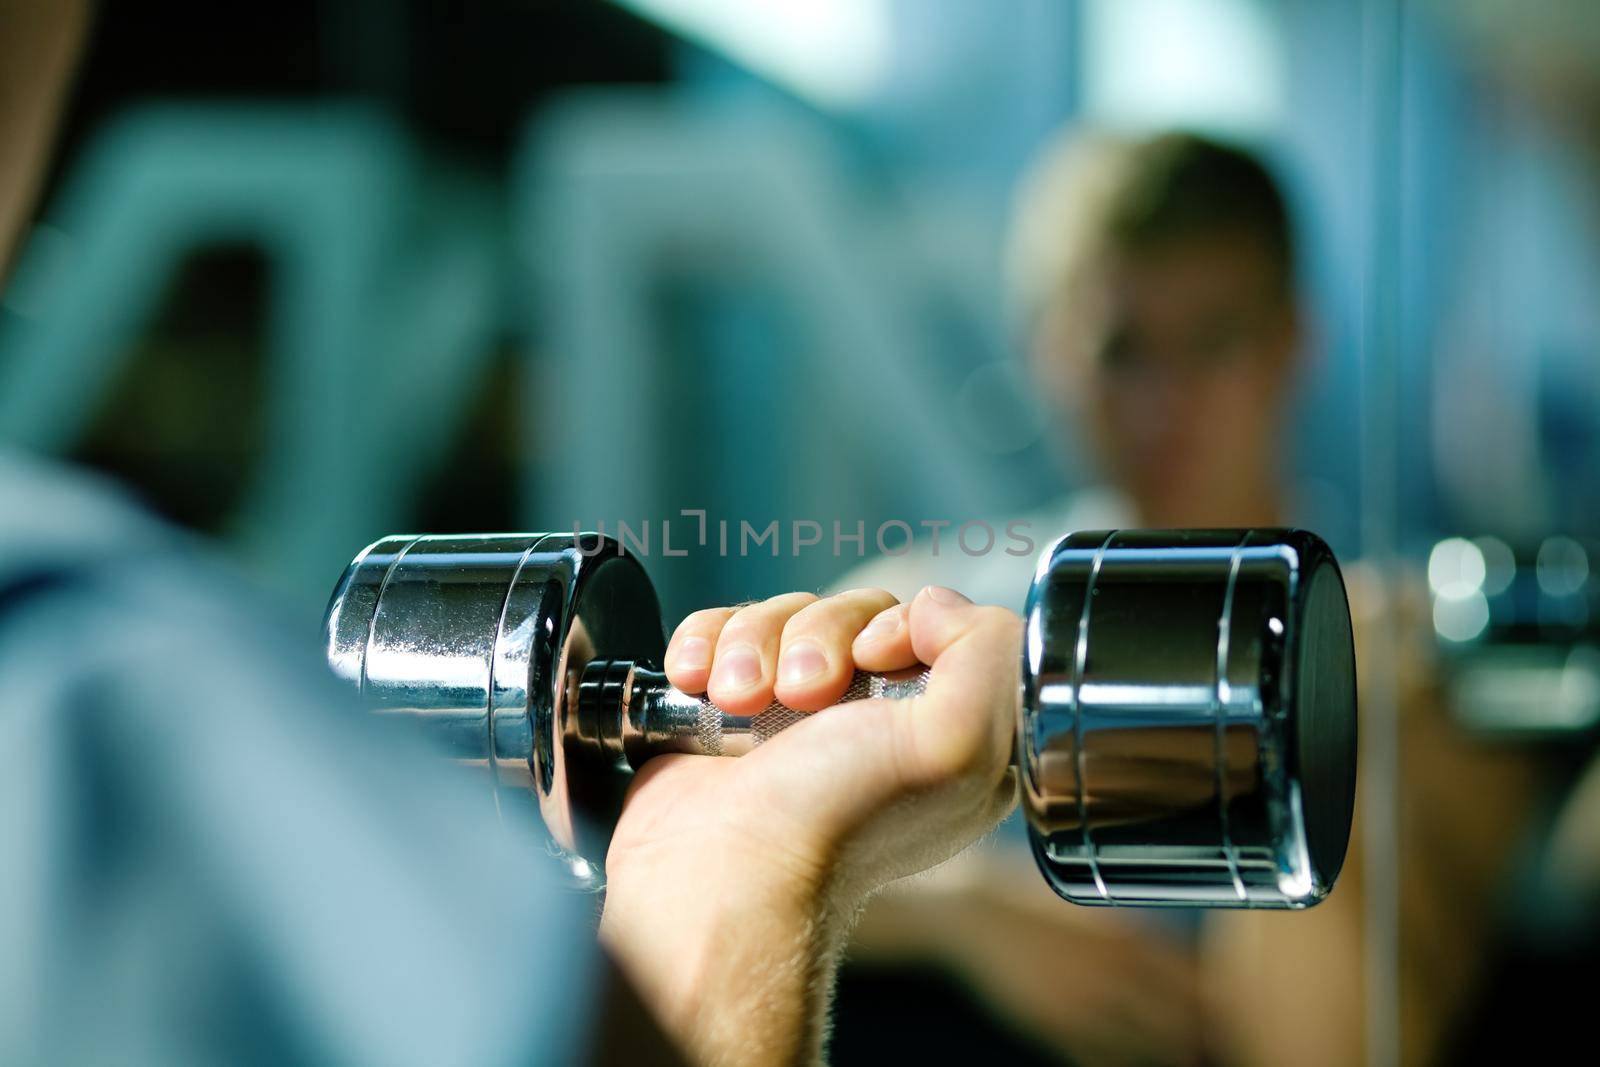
pixel 1002 574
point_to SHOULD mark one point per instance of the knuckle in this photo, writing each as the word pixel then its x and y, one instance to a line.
pixel 745 629
pixel 841 610
pixel 758 623
pixel 812 619
pixel 789 601
pixel 704 619
pixel 872 594
pixel 800 625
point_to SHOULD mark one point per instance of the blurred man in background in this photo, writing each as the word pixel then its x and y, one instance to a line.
pixel 1154 280
pixel 1152 284
pixel 1153 289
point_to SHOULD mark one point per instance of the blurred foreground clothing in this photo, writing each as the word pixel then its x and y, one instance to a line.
pixel 209 855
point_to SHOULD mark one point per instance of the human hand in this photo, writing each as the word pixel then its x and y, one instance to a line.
pixel 732 882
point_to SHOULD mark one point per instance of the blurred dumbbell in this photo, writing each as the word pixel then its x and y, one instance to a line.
pixel 1518 630
pixel 1186 714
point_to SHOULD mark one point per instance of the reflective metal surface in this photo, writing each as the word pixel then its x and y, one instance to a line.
pixel 481 637
pixel 1186 731
pixel 1188 722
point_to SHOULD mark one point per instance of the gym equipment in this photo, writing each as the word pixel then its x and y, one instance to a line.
pixel 1186 723
pixel 1517 626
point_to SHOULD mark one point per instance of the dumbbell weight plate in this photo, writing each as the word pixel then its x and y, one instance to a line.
pixel 1188 723
pixel 482 638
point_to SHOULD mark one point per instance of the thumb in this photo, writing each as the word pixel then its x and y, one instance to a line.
pixel 966 719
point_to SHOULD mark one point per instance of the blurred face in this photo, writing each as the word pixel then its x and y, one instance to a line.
pixel 1175 359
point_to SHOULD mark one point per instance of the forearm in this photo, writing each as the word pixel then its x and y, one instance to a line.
pixel 735 981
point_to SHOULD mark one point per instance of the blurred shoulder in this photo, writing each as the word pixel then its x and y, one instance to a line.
pixel 53 516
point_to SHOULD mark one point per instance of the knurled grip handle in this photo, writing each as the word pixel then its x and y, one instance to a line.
pixel 716 730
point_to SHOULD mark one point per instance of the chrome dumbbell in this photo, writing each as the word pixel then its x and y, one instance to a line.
pixel 1186 716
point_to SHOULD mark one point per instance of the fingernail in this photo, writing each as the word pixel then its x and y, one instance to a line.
pixel 801 661
pixel 943 595
pixel 885 625
pixel 694 654
pixel 738 668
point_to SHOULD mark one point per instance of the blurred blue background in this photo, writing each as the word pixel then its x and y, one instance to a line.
pixel 364 266
pixel 331 269
pixel 353 267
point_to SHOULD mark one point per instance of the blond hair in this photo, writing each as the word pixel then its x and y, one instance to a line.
pixel 1090 193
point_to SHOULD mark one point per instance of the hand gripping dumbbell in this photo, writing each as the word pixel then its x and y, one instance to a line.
pixel 1186 715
